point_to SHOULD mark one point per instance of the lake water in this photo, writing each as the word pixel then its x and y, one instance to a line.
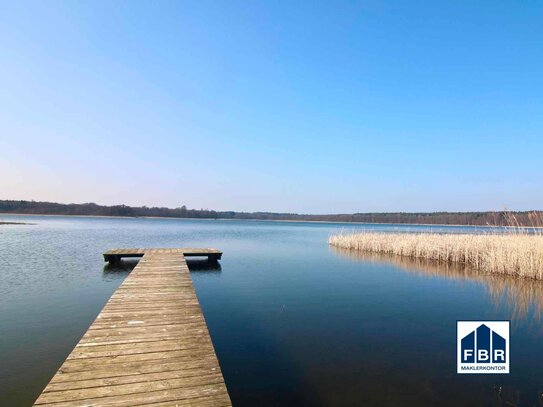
pixel 293 321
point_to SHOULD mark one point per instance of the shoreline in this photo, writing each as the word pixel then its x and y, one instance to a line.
pixel 269 220
pixel 506 254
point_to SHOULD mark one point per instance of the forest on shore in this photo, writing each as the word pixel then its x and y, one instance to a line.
pixel 532 218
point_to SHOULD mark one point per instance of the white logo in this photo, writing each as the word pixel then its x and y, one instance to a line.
pixel 482 346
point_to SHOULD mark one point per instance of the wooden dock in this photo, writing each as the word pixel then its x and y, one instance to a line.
pixel 148 346
pixel 116 254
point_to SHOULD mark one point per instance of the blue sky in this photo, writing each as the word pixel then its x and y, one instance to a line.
pixel 314 107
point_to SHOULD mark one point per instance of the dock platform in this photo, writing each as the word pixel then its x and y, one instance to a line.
pixel 148 346
pixel 115 255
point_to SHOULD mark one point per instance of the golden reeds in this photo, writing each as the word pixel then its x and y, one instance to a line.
pixel 515 252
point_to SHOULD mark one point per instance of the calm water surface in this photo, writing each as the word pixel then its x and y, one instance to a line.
pixel 293 321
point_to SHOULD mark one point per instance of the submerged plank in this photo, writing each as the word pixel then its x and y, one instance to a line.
pixel 149 345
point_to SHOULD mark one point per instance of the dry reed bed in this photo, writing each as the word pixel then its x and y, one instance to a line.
pixel 503 253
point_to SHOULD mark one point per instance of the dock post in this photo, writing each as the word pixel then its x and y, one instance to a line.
pixel 213 258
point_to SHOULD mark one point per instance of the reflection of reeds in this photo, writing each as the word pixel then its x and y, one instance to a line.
pixel 515 253
pixel 522 295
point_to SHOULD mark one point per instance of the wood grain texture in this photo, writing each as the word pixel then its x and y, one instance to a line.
pixel 116 254
pixel 148 346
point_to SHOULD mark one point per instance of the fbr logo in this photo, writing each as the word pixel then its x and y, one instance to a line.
pixel 482 346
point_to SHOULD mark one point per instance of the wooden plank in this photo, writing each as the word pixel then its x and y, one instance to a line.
pixel 128 379
pixel 116 254
pixel 180 365
pixel 145 393
pixel 148 346
pixel 181 396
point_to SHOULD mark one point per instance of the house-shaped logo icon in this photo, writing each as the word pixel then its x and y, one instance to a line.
pixel 483 346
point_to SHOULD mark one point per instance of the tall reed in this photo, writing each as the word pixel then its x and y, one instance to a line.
pixel 515 251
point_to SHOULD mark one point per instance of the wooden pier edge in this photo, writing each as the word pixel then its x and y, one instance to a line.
pixel 115 255
pixel 148 346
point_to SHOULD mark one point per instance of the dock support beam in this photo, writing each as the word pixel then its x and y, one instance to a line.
pixel 115 255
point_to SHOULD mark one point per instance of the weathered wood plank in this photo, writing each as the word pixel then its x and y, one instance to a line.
pixel 116 254
pixel 187 374
pixel 144 395
pixel 180 365
pixel 149 345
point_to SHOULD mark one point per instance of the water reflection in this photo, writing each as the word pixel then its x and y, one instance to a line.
pixel 522 296
pixel 118 270
pixel 204 266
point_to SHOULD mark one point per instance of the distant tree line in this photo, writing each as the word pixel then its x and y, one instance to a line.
pixel 533 218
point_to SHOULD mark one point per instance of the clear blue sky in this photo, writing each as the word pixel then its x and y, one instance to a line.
pixel 314 107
